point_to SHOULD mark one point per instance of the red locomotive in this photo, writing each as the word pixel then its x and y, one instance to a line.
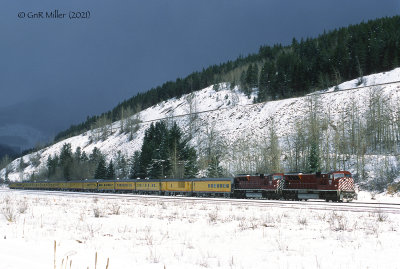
pixel 335 186
pixel 260 186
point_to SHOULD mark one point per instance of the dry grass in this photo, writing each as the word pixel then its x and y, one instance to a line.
pixel 97 212
pixel 338 222
pixel 9 210
pixel 381 217
pixel 213 217
pixel 302 220
pixel 23 207
pixel 115 209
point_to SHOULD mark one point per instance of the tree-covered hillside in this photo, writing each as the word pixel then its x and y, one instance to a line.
pixel 281 71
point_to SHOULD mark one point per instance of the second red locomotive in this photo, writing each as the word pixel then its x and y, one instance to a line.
pixel 334 186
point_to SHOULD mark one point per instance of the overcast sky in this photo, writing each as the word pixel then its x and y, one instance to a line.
pixel 75 68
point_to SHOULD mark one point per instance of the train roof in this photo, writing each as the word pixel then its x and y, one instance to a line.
pixel 134 180
pixel 200 179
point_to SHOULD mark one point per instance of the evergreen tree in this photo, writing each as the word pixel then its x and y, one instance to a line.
pixel 165 153
pixel 101 170
pixel 314 157
pixel 266 82
pixel 66 161
pixel 134 171
pixel 314 136
pixel 95 156
pixel 84 158
pixel 94 159
pixel 52 164
pixel 78 154
pixel 110 171
pixel 190 161
pixel 121 166
pixel 153 158
pixel 214 169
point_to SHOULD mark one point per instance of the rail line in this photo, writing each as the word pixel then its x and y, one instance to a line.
pixel 369 207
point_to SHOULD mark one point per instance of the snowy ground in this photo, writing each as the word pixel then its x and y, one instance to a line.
pixel 160 234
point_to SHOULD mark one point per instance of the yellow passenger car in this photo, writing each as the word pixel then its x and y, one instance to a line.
pixel 125 185
pixel 212 186
pixel 74 185
pixel 52 185
pixel 29 185
pixel 15 185
pixel 90 185
pixel 63 185
pixel 174 187
pixel 106 185
pixel 148 186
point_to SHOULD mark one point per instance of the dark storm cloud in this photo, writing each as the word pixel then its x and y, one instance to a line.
pixel 80 68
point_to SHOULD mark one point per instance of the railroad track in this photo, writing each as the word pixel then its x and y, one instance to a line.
pixel 372 207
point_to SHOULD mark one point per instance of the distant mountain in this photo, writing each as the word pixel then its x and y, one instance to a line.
pixel 7 150
pixel 26 124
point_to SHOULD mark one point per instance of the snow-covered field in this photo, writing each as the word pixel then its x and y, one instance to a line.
pixel 173 234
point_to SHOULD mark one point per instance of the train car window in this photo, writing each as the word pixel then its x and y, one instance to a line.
pixel 215 185
pixel 337 176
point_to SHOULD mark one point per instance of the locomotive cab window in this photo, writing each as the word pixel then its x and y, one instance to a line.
pixel 337 176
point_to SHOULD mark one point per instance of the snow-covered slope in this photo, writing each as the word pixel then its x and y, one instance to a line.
pixel 230 114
